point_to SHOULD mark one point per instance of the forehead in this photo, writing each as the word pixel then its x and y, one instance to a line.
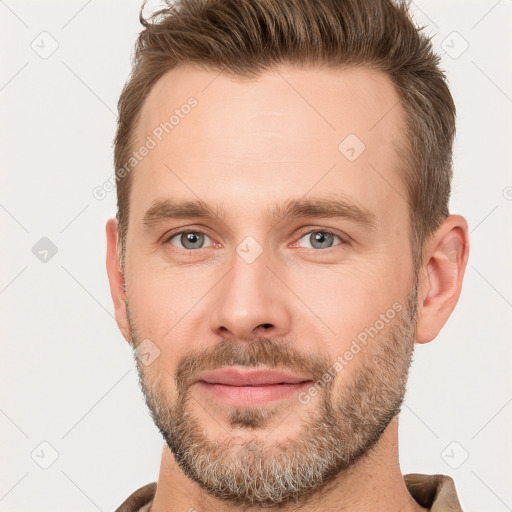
pixel 280 135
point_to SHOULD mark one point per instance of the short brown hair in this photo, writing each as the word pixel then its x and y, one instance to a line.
pixel 248 37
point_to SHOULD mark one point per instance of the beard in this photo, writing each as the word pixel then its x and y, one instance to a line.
pixel 343 425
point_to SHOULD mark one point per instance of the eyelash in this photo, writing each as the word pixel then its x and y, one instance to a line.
pixel 343 239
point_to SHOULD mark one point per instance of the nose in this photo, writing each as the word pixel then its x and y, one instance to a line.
pixel 251 302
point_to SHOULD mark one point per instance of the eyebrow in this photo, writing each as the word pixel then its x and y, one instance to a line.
pixel 324 207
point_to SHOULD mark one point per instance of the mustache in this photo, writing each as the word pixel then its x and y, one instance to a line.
pixel 263 352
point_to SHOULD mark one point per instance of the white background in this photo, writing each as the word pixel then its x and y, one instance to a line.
pixel 67 375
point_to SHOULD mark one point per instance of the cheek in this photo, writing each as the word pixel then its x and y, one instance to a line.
pixel 151 310
pixel 164 301
pixel 159 381
pixel 347 298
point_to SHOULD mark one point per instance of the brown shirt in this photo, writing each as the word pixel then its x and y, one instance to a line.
pixel 436 492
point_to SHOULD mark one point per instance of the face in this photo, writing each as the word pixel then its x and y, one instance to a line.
pixel 268 231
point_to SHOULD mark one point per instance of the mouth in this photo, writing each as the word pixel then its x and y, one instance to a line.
pixel 253 387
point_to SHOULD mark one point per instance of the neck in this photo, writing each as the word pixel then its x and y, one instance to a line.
pixel 375 479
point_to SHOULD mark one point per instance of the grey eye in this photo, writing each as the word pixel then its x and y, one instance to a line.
pixel 189 240
pixel 319 239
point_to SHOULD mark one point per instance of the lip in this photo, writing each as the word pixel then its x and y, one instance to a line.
pixel 246 388
pixel 236 377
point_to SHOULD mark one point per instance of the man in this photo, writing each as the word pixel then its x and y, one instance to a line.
pixel 282 241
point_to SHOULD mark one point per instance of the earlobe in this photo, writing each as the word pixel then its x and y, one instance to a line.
pixel 116 278
pixel 445 258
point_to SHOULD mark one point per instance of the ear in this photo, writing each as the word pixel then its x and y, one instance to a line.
pixel 116 279
pixel 445 255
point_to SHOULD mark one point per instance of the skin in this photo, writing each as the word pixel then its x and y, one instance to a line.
pixel 247 146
